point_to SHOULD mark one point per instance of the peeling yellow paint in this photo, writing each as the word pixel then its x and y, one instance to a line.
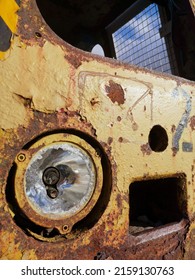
pixel 45 84
pixel 42 78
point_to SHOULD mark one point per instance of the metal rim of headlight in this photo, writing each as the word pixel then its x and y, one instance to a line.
pixel 31 186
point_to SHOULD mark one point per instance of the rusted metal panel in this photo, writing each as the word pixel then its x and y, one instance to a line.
pixel 50 87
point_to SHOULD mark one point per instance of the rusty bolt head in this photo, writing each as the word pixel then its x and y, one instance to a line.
pixel 65 228
pixel 21 157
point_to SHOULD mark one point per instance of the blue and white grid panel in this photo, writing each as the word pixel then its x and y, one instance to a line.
pixel 138 41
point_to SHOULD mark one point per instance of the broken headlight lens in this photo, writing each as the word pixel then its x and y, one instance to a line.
pixel 60 180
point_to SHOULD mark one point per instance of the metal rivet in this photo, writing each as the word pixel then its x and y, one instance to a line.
pixel 21 157
pixel 65 228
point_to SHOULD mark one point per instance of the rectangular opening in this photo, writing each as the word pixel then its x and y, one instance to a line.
pixel 157 202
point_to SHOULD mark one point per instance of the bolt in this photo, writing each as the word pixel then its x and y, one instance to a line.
pixel 21 157
pixel 65 228
pixel 51 176
pixel 52 192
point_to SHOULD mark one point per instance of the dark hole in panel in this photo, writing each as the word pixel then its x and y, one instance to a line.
pixel 158 139
pixel 157 202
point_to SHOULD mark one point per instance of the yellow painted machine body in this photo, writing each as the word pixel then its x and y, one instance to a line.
pixel 137 125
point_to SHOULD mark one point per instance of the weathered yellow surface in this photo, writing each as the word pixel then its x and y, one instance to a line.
pixel 52 83
pixel 42 77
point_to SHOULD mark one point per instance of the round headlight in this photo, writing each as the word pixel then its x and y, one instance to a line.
pixel 60 179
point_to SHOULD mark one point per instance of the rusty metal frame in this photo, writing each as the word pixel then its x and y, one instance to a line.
pixel 48 86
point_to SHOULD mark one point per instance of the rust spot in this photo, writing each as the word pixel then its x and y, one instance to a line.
pixel 190 254
pixel 76 58
pixel 174 151
pixel 29 27
pixel 110 140
pixel 144 108
pixel 173 128
pixel 61 110
pixel 192 122
pixel 135 126
pixel 120 200
pixel 146 150
pixel 119 118
pixel 94 101
pixel 120 139
pixel 73 60
pixel 193 178
pixel 115 92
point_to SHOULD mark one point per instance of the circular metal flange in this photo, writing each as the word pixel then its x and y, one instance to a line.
pixel 59 181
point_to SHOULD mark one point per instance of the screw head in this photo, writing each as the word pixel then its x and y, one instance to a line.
pixel 21 157
pixel 65 228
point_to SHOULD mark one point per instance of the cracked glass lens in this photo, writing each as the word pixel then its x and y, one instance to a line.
pixel 60 180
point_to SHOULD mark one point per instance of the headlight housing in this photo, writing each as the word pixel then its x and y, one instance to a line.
pixel 58 181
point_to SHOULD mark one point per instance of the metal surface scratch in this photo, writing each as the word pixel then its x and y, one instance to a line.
pixel 183 121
